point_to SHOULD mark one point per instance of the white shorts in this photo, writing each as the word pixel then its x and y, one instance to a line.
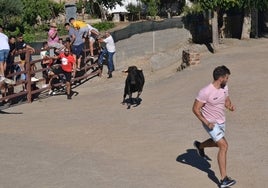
pixel 217 132
pixel 92 39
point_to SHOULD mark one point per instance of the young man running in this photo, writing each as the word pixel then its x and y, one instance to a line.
pixel 209 108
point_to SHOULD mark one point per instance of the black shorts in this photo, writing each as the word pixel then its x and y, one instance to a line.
pixel 68 75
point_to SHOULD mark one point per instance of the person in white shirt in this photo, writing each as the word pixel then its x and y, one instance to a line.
pixel 4 50
pixel 109 51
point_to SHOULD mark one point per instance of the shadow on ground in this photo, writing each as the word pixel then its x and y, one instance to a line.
pixel 193 159
pixel 132 102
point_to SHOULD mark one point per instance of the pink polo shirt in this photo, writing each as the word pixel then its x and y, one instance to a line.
pixel 214 100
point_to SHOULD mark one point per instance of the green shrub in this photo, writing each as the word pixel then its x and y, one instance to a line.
pixel 195 9
pixel 104 26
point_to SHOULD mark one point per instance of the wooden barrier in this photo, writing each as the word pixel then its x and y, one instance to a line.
pixel 30 90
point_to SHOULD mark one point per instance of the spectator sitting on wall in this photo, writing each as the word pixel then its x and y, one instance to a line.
pixel 21 46
pixel 19 68
pixel 53 38
pixel 46 62
pixel 11 56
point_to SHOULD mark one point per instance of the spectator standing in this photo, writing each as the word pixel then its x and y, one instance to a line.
pixel 11 56
pixel 4 50
pixel 109 50
pixel 209 108
pixel 9 69
pixel 77 43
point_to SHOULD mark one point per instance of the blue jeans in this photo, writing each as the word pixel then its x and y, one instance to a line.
pixel 3 55
pixel 110 62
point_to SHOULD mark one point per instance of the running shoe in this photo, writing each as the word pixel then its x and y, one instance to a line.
pixel 34 79
pixel 9 81
pixel 226 182
pixel 200 152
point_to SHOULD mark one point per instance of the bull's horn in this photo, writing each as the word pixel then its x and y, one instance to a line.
pixel 125 70
pixel 139 68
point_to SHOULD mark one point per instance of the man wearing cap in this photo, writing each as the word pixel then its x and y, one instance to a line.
pixel 53 38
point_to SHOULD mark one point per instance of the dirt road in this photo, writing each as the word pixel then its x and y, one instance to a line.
pixel 94 141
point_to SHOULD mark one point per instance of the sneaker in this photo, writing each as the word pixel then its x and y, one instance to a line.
pixel 110 75
pixel 9 81
pixel 45 85
pixel 6 104
pixel 89 57
pixel 2 78
pixel 200 152
pixel 51 92
pixel 34 79
pixel 69 97
pixel 94 58
pixel 226 182
pixel 99 64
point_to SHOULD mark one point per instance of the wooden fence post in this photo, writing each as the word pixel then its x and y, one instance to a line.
pixel 28 76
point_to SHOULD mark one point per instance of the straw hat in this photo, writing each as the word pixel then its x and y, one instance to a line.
pixel 53 24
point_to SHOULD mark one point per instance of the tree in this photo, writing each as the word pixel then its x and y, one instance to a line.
pixel 168 4
pixel 10 10
pixel 250 7
pixel 215 6
pixel 46 9
pixel 110 3
pixel 152 6
pixel 134 11
pixel 95 7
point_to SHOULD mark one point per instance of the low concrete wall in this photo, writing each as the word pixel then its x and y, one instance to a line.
pixel 155 44
pixel 150 38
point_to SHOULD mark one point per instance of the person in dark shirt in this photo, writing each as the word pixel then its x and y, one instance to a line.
pixel 11 56
pixel 20 46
